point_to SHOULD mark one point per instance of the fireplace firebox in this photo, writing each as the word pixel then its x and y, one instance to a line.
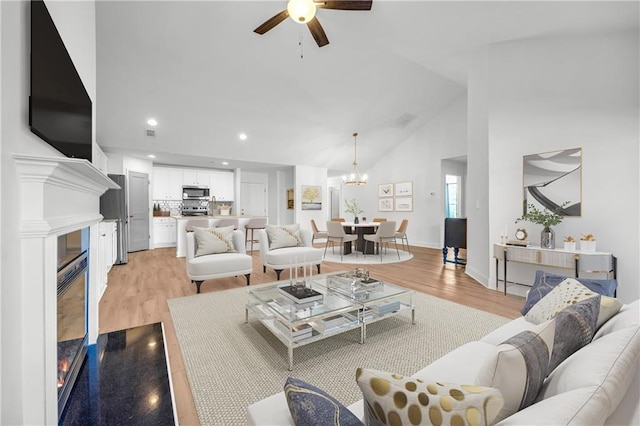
pixel 72 279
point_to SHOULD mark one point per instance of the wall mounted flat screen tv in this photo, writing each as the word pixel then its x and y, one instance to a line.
pixel 59 106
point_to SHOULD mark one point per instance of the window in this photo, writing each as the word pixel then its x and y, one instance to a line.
pixel 452 194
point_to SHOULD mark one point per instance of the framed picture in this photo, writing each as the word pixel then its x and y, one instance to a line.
pixel 290 199
pixel 404 204
pixel 404 189
pixel 385 190
pixel 385 204
pixel 552 179
pixel 311 196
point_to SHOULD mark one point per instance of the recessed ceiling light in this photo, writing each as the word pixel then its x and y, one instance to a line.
pixel 151 156
pixel 225 163
pixel 152 122
pixel 243 136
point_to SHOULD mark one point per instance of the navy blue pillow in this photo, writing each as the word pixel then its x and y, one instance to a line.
pixel 314 407
pixel 545 282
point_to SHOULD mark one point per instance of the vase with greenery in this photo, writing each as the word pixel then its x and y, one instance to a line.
pixel 547 218
pixel 353 208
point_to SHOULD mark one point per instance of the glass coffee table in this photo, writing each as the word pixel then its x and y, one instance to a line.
pixel 339 309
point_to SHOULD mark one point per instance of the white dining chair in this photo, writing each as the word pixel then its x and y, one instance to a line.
pixel 336 234
pixel 386 233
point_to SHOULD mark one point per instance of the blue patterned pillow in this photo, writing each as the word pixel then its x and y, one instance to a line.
pixel 575 327
pixel 313 407
pixel 545 282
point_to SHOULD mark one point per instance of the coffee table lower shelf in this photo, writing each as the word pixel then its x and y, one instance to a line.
pixel 351 322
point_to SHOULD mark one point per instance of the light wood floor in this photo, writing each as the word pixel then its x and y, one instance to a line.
pixel 137 294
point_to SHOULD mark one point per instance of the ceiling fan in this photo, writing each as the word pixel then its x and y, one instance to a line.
pixel 304 11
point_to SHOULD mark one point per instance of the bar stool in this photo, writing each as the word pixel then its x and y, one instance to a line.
pixel 251 226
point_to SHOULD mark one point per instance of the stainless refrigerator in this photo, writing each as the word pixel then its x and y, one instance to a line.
pixel 113 205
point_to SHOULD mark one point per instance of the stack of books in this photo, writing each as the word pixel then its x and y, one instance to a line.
pixel 299 294
pixel 300 332
pixel 386 307
pixel 328 323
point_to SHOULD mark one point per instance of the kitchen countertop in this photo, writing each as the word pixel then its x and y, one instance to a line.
pixel 178 217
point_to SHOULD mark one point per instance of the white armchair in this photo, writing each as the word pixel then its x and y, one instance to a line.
pixel 220 265
pixel 289 257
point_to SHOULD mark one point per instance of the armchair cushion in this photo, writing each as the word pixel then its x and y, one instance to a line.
pixel 283 236
pixel 214 240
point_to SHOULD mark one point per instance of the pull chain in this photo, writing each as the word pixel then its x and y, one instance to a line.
pixel 300 44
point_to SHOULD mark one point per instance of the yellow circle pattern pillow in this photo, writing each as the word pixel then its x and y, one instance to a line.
pixel 393 400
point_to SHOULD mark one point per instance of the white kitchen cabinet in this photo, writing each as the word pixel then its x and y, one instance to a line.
pixel 195 177
pixel 222 185
pixel 108 248
pixel 164 232
pixel 167 183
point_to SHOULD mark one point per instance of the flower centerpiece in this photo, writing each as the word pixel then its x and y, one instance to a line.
pixel 353 208
pixel 547 218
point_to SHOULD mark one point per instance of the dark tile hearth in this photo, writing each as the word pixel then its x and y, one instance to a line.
pixel 124 380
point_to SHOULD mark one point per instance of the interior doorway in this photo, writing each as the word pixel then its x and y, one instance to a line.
pixel 138 211
pixel 254 199
pixel 334 203
pixel 454 172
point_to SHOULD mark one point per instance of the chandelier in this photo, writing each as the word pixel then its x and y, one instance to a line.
pixel 355 178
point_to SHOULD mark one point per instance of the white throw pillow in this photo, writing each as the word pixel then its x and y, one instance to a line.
pixel 567 293
pixel 518 367
pixel 283 236
pixel 213 240
pixel 392 399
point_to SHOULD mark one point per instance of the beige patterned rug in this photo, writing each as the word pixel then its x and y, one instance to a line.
pixel 232 364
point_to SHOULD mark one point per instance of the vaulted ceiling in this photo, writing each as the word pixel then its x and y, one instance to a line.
pixel 205 76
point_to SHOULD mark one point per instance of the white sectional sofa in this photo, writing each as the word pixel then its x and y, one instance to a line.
pixel 598 384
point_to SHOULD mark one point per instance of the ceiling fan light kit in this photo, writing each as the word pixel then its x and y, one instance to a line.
pixel 304 11
pixel 355 179
pixel 301 11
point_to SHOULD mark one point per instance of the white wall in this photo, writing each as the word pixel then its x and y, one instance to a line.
pixel 552 94
pixel 417 160
pixel 76 22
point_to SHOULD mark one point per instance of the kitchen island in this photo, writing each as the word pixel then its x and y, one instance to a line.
pixel 212 221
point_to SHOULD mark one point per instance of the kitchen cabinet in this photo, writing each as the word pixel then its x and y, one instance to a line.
pixel 195 177
pixel 167 183
pixel 164 232
pixel 108 251
pixel 222 185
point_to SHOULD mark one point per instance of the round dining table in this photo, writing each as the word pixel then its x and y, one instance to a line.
pixel 360 229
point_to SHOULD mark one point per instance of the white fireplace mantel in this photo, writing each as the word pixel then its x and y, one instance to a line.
pixel 57 195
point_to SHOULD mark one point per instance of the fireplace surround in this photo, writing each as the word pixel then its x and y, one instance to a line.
pixel 64 197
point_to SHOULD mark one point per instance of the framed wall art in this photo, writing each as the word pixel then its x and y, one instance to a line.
pixel 404 204
pixel 311 197
pixel 385 204
pixel 404 189
pixel 385 190
pixel 552 179
pixel 290 199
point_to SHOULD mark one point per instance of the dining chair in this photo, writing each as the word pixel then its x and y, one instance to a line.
pixel 386 233
pixel 316 232
pixel 379 219
pixel 402 234
pixel 335 233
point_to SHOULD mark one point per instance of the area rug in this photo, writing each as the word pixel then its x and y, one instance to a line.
pixel 388 256
pixel 231 364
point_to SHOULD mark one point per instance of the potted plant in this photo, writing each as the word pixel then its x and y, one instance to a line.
pixel 353 208
pixel 547 218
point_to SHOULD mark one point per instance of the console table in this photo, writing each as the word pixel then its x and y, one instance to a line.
pixel 578 261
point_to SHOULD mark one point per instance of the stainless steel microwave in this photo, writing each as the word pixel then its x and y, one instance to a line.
pixel 195 193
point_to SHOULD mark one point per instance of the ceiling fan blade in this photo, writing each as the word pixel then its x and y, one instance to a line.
pixel 344 4
pixel 317 32
pixel 272 22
